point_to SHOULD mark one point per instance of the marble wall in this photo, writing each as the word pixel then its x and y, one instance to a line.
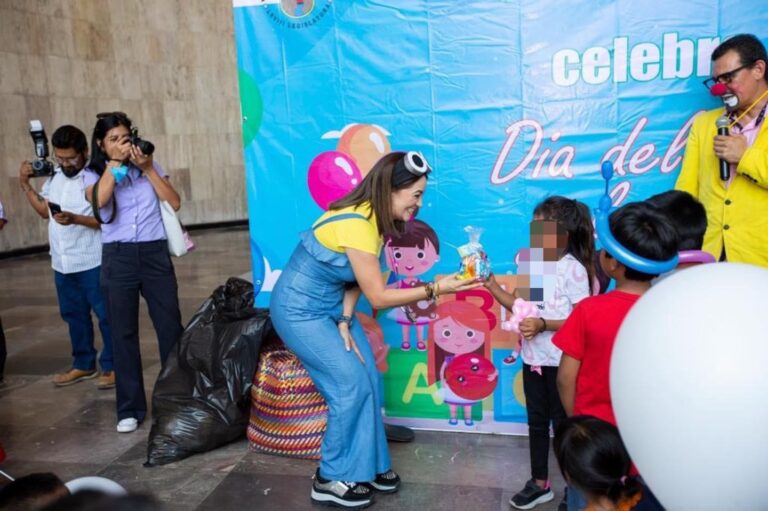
pixel 169 64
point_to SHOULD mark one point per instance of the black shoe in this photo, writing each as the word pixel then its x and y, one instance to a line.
pixel 563 506
pixel 388 482
pixel 398 433
pixel 344 494
pixel 531 496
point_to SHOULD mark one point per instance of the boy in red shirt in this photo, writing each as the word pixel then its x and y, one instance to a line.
pixel 588 335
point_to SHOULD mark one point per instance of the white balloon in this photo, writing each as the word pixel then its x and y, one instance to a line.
pixel 95 483
pixel 690 390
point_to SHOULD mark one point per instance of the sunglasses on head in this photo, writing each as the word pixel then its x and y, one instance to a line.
pixel 416 164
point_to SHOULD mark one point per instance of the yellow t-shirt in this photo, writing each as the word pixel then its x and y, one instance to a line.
pixel 358 233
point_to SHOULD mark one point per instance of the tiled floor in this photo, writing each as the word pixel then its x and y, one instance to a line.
pixel 70 430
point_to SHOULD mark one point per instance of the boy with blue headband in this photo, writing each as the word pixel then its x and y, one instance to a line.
pixel 639 233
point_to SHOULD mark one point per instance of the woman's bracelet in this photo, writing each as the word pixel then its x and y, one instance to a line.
pixel 429 289
pixel 344 319
pixel 543 322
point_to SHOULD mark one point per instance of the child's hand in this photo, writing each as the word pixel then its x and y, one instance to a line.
pixel 529 327
pixel 490 282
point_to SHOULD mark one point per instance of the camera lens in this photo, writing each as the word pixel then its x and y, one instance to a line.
pixel 145 146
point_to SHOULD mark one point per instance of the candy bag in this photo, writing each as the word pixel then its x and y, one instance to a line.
pixel 474 261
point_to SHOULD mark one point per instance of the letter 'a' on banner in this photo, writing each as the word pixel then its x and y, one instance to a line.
pixel 510 103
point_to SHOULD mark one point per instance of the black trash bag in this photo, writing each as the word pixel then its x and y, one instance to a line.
pixel 202 397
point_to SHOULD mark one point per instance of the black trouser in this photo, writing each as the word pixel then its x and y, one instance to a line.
pixel 542 402
pixel 3 351
pixel 128 269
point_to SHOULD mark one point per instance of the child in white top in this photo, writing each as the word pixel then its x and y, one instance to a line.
pixel 558 270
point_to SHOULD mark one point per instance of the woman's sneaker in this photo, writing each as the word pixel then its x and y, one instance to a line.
pixel 344 494
pixel 531 496
pixel 388 482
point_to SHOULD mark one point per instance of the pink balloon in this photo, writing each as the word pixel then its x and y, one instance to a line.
pixel 331 176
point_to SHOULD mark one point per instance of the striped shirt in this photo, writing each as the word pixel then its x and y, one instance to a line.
pixel 74 248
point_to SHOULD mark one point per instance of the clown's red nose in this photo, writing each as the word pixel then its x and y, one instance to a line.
pixel 718 89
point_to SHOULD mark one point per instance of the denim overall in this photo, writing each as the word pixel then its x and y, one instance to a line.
pixel 304 306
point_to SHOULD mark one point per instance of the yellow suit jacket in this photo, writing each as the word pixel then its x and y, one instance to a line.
pixel 737 217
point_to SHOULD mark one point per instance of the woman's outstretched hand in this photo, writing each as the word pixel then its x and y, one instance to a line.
pixel 451 284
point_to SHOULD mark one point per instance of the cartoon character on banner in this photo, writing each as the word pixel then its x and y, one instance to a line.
pixel 375 337
pixel 521 309
pixel 409 255
pixel 460 356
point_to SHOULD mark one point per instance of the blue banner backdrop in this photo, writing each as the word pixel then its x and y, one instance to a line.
pixel 510 101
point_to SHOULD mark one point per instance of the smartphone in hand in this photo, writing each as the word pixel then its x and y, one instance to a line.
pixel 55 208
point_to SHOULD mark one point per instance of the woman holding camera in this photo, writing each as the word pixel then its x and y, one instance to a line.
pixel 127 185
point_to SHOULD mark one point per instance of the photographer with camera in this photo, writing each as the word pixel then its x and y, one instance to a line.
pixel 135 253
pixel 75 248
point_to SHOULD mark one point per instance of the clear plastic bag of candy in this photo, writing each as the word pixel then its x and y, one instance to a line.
pixel 474 261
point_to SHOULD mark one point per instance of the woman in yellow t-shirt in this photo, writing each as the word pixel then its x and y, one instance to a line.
pixel 312 307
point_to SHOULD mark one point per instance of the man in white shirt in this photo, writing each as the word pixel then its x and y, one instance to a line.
pixel 75 241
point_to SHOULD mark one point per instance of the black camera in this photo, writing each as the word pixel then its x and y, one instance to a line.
pixel 41 166
pixel 145 146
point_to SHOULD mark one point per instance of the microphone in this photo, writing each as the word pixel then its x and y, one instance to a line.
pixel 722 124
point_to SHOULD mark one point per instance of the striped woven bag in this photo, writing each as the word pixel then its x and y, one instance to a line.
pixel 288 415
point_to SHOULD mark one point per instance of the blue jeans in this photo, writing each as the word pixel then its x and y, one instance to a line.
pixel 304 306
pixel 79 293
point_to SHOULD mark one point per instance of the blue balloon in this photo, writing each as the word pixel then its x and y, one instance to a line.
pixel 616 249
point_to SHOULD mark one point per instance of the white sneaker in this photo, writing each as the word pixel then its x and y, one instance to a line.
pixel 127 425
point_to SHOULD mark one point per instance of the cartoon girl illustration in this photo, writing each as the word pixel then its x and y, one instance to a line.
pixel 409 255
pixel 460 327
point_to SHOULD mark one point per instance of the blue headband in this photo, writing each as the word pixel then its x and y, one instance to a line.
pixel 616 249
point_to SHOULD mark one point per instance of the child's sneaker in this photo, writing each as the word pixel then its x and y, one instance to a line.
pixel 388 482
pixel 344 494
pixel 531 496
